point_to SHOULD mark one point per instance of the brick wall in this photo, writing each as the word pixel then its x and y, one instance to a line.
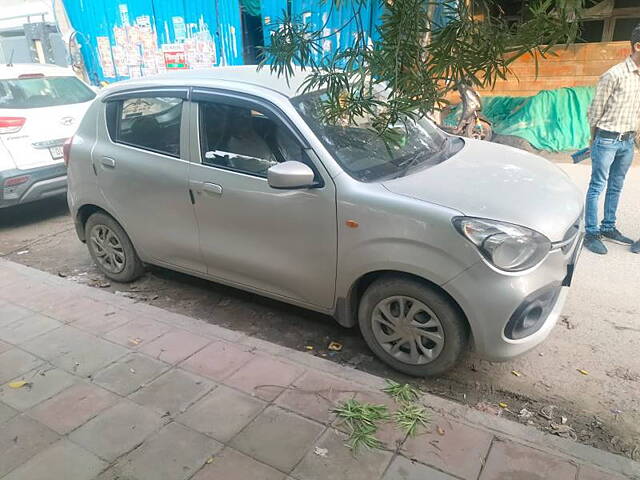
pixel 576 65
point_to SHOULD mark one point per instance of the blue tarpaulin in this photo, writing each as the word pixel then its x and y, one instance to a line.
pixel 132 38
pixel 328 17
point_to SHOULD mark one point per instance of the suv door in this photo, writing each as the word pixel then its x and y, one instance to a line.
pixel 283 242
pixel 141 160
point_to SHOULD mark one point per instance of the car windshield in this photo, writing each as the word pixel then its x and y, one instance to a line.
pixel 40 91
pixel 364 155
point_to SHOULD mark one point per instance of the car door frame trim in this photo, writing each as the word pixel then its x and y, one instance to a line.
pixel 173 92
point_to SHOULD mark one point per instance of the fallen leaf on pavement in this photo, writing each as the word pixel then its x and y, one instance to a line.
pixel 583 372
pixel 322 452
pixel 209 460
pixel 487 408
pixel 135 341
pixel 548 412
pixel 564 431
pixel 502 405
pixel 19 384
pixel 525 414
pixel 335 346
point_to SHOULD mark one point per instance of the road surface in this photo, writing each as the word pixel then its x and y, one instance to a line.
pixel 599 335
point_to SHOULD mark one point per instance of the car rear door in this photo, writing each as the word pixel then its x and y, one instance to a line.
pixel 282 242
pixel 141 160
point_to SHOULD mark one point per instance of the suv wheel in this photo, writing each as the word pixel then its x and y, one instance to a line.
pixel 411 326
pixel 111 249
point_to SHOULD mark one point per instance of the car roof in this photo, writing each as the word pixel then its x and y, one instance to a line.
pixel 245 74
pixel 17 69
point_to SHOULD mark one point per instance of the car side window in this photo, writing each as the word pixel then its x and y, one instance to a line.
pixel 246 140
pixel 150 123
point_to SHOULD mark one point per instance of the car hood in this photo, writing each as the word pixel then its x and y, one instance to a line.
pixel 501 183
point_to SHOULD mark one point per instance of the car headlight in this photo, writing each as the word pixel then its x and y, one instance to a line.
pixel 508 247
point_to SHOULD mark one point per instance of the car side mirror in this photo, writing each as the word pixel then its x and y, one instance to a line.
pixel 290 175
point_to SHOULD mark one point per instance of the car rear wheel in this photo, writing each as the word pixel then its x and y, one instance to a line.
pixel 412 326
pixel 111 249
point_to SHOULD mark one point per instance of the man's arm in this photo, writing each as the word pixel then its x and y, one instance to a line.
pixel 604 90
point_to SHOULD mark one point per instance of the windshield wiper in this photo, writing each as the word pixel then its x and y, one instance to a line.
pixel 417 157
pixel 412 161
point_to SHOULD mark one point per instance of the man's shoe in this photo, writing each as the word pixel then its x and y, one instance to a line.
pixel 615 236
pixel 635 248
pixel 594 244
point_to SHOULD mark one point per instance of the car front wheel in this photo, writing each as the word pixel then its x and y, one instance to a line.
pixel 111 249
pixel 412 326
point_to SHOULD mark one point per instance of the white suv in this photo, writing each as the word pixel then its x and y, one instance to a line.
pixel 40 107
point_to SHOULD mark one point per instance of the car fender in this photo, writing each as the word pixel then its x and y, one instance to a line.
pixel 379 231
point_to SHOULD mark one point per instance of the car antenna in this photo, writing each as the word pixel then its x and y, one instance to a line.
pixel 10 62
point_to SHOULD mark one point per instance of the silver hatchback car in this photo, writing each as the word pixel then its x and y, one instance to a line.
pixel 433 246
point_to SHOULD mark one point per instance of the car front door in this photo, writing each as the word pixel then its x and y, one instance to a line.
pixel 281 242
pixel 142 164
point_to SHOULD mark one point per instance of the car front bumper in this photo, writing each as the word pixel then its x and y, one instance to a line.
pixel 491 299
pixel 43 182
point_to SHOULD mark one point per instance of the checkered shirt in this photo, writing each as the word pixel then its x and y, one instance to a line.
pixel 616 104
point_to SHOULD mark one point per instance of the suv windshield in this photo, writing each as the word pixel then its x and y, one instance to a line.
pixel 39 92
pixel 364 155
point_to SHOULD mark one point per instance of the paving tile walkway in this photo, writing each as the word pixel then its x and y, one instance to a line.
pixel 119 390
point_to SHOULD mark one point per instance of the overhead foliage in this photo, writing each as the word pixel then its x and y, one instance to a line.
pixel 414 61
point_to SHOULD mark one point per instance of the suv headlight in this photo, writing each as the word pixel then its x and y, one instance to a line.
pixel 508 247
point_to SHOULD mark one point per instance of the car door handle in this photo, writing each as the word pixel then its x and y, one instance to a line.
pixel 108 162
pixel 212 188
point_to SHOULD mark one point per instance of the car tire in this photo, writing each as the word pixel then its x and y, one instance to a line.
pixel 111 249
pixel 431 310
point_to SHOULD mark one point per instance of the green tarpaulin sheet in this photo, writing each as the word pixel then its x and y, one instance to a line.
pixel 553 120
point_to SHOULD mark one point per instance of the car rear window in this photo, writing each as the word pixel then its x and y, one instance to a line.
pixel 150 123
pixel 40 92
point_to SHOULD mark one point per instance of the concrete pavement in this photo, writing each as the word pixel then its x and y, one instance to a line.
pixel 119 390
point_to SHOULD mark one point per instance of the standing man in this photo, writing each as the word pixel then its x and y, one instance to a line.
pixel 614 117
